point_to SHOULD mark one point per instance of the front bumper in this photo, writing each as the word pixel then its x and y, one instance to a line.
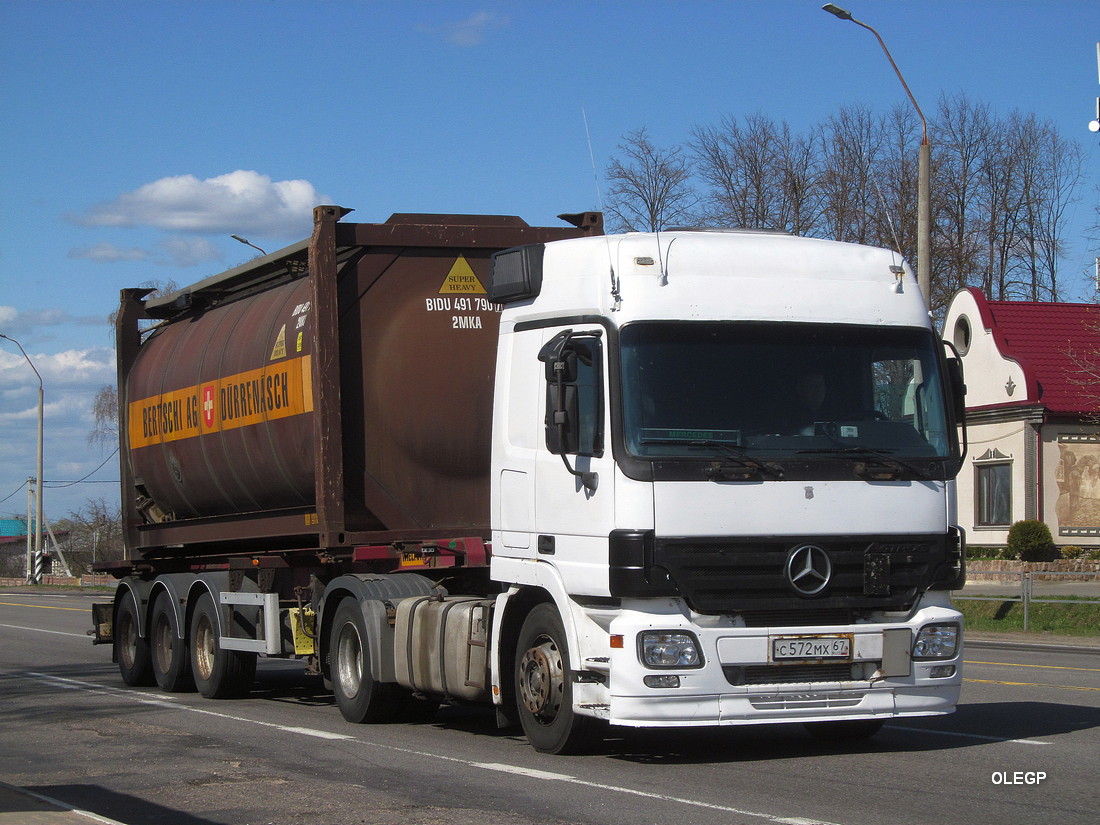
pixel 740 684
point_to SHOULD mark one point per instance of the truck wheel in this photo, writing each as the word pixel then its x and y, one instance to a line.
pixel 544 691
pixel 844 731
pixel 131 651
pixel 219 674
pixel 359 696
pixel 171 664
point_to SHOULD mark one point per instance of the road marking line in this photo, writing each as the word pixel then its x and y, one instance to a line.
pixel 962 735
pixel 159 700
pixel 1028 684
pixel 47 607
pixel 1042 667
pixel 561 777
pixel 43 630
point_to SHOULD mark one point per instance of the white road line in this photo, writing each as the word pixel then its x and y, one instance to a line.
pixel 43 630
pixel 160 700
pixel 970 735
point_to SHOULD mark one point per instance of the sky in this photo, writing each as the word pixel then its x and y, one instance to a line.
pixel 138 136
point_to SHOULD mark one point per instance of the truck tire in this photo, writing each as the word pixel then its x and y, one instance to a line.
pixel 853 730
pixel 219 674
pixel 359 696
pixel 544 691
pixel 171 663
pixel 131 651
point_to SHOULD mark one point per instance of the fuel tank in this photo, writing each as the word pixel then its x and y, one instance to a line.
pixel 255 390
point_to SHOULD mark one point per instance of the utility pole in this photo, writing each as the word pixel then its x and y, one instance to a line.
pixel 34 571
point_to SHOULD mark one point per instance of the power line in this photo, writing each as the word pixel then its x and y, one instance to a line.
pixel 58 485
pixel 13 492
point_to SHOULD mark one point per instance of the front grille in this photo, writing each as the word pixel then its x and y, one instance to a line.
pixel 727 576
pixel 787 674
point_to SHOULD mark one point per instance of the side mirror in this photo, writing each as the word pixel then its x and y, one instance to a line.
pixel 563 420
pixel 958 387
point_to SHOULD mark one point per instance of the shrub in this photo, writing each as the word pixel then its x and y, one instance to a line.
pixel 1030 540
pixel 1072 551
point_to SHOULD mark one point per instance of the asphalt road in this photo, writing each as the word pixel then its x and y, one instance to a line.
pixel 1022 748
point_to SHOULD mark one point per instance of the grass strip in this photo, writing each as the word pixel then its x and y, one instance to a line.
pixel 1061 618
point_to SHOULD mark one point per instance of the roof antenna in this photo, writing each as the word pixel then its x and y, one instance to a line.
pixel 897 270
pixel 615 294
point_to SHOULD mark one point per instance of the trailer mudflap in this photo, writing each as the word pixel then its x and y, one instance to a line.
pixel 103 624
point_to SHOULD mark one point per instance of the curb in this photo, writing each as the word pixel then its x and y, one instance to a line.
pixel 35 814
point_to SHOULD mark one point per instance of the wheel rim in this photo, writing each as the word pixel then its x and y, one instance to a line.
pixel 127 639
pixel 541 680
pixel 349 661
pixel 204 646
pixel 162 644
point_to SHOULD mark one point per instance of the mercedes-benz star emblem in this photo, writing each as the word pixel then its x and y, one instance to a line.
pixel 809 569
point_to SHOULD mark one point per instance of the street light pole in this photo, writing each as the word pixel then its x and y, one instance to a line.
pixel 924 186
pixel 247 242
pixel 34 571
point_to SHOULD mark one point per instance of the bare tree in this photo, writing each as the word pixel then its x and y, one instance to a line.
pixel 92 534
pixel 1001 190
pixel 963 135
pixel 851 142
pixel 650 187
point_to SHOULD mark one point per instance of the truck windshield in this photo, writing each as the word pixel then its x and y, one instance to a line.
pixel 738 390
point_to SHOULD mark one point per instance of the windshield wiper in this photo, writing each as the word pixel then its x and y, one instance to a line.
pixel 884 457
pixel 733 452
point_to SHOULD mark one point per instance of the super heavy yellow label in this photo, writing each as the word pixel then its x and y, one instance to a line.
pixel 252 397
pixel 461 280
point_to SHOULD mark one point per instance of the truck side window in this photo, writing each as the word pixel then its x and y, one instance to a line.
pixel 574 421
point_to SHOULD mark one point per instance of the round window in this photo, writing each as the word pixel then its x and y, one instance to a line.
pixel 961 336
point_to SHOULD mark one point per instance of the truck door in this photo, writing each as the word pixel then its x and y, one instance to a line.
pixel 574 475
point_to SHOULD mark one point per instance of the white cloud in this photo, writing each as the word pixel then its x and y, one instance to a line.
pixel 69 368
pixel 108 253
pixel 180 251
pixel 15 323
pixel 469 32
pixel 70 379
pixel 239 202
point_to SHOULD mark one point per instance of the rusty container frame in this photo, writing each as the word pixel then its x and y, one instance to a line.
pixel 334 248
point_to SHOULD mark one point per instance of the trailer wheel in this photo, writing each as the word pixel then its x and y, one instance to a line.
pixel 171 663
pixel 853 730
pixel 359 696
pixel 219 674
pixel 544 691
pixel 131 651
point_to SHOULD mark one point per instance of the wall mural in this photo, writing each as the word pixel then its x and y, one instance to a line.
pixel 1078 478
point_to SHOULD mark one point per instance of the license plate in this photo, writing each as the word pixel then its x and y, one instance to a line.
pixel 804 648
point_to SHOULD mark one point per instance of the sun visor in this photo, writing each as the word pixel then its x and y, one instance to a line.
pixel 516 274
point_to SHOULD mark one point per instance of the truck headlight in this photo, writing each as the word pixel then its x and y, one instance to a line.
pixel 937 641
pixel 666 648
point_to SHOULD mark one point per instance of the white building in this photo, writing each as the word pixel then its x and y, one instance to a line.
pixel 1033 417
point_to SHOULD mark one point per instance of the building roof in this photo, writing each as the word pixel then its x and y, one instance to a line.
pixel 1044 338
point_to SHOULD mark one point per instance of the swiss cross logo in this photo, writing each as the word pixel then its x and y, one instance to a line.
pixel 208 407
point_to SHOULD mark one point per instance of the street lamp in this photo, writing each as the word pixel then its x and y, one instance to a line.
pixel 924 198
pixel 32 565
pixel 247 242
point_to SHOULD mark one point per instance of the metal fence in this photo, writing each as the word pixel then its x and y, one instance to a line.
pixel 1026 584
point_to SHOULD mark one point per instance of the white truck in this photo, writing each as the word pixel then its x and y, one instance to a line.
pixel 709 481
